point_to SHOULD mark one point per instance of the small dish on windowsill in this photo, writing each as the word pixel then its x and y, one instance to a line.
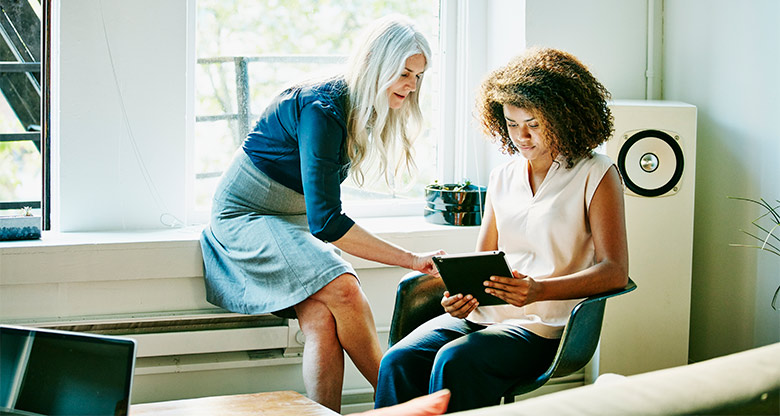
pixel 20 227
pixel 454 203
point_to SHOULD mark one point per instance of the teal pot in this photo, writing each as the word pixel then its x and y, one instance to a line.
pixel 453 204
pixel 20 228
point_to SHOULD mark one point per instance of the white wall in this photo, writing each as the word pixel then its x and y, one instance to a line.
pixel 587 29
pixel 724 57
pixel 607 35
pixel 123 83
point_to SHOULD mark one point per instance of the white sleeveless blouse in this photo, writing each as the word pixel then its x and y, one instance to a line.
pixel 543 235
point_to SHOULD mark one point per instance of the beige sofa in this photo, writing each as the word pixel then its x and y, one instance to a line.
pixel 743 383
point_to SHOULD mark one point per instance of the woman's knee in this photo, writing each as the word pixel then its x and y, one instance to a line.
pixel 455 359
pixel 407 359
pixel 344 289
pixel 314 318
pixel 395 358
pixel 404 366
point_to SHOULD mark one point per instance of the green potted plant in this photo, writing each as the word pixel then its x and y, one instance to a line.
pixel 454 203
pixel 20 227
pixel 768 228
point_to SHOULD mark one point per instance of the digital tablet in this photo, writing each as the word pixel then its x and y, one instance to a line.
pixel 465 273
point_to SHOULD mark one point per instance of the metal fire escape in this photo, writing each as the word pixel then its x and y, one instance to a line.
pixel 20 74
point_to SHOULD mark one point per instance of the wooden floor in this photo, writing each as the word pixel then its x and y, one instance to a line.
pixel 276 403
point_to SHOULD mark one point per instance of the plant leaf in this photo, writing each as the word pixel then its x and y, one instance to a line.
pixel 777 253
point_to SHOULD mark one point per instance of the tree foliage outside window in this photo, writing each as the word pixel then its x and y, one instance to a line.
pixel 320 33
pixel 20 163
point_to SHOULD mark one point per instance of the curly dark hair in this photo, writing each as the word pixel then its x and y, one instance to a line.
pixel 554 86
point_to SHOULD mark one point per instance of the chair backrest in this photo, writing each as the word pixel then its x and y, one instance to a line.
pixel 579 340
pixel 417 299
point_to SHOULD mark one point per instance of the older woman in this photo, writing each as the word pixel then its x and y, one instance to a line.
pixel 277 226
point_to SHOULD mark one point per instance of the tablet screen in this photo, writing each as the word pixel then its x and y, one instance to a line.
pixel 465 273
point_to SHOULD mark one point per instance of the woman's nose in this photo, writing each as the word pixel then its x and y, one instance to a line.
pixel 411 85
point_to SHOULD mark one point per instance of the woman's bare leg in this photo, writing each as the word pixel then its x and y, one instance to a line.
pixel 354 323
pixel 323 357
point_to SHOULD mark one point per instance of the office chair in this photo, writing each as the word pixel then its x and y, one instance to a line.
pixel 418 300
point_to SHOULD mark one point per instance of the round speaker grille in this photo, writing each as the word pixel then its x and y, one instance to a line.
pixel 651 163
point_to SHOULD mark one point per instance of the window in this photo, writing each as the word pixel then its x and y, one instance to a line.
pixel 131 132
pixel 20 107
pixel 248 50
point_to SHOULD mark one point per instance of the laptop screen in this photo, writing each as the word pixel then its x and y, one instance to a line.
pixel 65 373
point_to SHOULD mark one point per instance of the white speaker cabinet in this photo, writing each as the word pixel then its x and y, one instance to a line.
pixel 654 146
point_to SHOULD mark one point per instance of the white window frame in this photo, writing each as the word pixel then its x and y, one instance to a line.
pixel 461 150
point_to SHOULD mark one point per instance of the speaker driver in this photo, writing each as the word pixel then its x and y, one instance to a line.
pixel 651 163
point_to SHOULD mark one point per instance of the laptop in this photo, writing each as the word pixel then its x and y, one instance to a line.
pixel 51 372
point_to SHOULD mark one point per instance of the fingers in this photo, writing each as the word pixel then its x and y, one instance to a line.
pixel 430 269
pixel 423 262
pixel 505 288
pixel 458 306
pixel 516 290
pixel 505 284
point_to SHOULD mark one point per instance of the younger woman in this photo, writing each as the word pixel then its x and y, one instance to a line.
pixel 556 210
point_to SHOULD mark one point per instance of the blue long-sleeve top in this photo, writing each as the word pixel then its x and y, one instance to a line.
pixel 300 142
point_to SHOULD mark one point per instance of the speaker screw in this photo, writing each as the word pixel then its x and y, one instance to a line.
pixel 676 137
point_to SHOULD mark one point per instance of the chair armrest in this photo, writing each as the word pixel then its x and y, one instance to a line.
pixel 630 286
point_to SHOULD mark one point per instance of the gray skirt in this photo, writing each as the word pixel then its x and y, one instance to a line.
pixel 258 253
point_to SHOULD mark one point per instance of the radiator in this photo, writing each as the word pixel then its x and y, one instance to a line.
pixel 195 332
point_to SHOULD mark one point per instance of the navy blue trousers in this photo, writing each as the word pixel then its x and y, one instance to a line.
pixel 477 363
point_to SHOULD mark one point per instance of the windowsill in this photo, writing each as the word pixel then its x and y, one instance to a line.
pixel 386 227
pixel 54 239
pixel 116 273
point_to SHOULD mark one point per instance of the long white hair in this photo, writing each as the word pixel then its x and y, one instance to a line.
pixel 373 129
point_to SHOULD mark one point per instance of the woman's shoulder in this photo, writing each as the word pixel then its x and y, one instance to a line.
pixel 508 169
pixel 594 160
pixel 329 95
pixel 601 158
pixel 590 168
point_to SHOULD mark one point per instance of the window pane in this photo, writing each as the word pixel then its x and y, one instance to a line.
pixel 284 42
pixel 20 163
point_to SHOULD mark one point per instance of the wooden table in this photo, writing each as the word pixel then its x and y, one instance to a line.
pixel 277 403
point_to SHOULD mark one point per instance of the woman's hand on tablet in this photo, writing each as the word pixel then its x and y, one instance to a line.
pixel 458 306
pixel 519 290
pixel 424 262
